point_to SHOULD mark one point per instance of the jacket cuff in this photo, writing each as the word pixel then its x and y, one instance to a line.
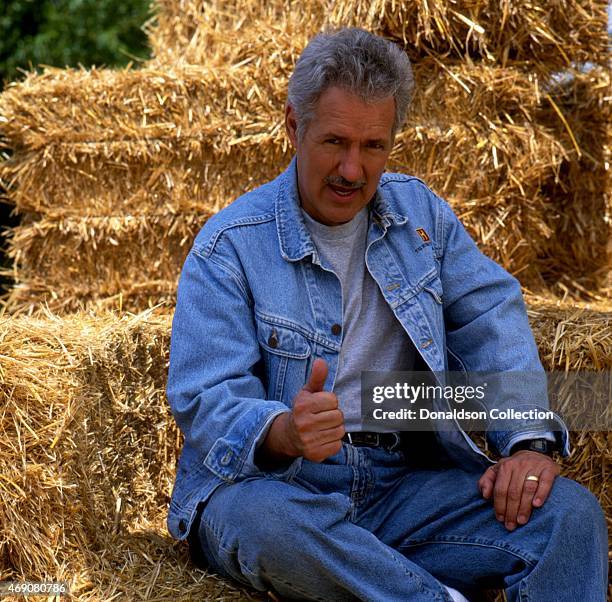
pixel 502 440
pixel 528 436
pixel 231 457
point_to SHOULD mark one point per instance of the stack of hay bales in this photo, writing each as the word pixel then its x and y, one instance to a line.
pixel 108 163
pixel 114 172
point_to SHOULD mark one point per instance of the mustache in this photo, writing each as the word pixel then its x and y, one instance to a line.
pixel 340 181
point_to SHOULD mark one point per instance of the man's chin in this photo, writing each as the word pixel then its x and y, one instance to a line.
pixel 337 218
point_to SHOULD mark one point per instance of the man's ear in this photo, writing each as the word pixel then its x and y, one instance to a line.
pixel 291 124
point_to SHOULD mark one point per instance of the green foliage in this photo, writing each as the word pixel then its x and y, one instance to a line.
pixel 70 32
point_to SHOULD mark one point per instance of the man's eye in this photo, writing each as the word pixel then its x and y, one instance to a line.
pixel 333 141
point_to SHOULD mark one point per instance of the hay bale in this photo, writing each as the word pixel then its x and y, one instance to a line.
pixel 82 139
pixel 125 262
pixel 177 138
pixel 570 335
pixel 88 452
pixel 134 262
pixel 162 179
pixel 218 32
pixel 578 337
pixel 548 35
pixel 88 443
pixel 97 142
pixel 186 103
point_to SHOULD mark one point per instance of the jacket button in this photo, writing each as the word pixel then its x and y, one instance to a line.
pixel 182 526
pixel 336 329
pixel 273 341
pixel 227 458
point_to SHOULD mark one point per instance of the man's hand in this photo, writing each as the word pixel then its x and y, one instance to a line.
pixel 513 495
pixel 314 427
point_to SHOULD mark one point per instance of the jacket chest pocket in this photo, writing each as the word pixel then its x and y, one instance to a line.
pixel 285 353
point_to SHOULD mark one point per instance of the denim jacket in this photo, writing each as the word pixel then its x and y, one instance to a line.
pixel 256 305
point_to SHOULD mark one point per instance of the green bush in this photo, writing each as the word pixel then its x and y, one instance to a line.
pixel 70 33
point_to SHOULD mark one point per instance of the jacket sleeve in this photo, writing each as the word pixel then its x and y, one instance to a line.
pixel 487 331
pixel 216 397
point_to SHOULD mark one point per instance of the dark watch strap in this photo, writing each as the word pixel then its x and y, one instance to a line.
pixel 542 446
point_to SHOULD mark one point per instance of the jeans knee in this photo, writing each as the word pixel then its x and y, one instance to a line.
pixel 279 516
pixel 578 509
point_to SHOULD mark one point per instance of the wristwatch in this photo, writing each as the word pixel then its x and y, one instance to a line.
pixel 542 446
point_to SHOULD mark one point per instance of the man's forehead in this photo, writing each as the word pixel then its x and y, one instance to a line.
pixel 341 112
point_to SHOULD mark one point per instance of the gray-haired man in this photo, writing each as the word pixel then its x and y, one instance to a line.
pixel 290 293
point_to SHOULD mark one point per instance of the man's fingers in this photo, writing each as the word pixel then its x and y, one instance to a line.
pixel 324 451
pixel 324 443
pixel 500 493
pixel 487 482
pixel 514 496
pixel 318 374
pixel 323 402
pixel 547 478
pixel 314 403
pixel 332 435
pixel 530 486
pixel 327 419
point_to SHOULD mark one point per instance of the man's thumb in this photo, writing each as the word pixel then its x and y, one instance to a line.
pixel 318 374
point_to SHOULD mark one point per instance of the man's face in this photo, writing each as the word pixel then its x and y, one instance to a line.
pixel 342 154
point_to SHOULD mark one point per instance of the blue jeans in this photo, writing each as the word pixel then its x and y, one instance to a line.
pixel 363 525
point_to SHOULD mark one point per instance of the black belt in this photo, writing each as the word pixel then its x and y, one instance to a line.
pixel 389 441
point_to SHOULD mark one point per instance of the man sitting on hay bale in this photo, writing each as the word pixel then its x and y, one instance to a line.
pixel 293 291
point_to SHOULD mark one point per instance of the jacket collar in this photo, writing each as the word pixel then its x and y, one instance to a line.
pixel 293 235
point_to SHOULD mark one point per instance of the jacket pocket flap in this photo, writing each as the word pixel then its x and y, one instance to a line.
pixel 282 340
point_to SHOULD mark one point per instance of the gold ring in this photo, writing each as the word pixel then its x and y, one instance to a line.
pixel 532 477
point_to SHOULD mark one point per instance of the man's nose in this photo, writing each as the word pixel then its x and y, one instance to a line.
pixel 350 164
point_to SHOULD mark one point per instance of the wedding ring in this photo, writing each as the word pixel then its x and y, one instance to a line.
pixel 532 477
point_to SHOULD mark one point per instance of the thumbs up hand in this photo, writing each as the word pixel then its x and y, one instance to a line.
pixel 317 425
pixel 314 427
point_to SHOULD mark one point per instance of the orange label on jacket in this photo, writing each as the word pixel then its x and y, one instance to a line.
pixel 421 232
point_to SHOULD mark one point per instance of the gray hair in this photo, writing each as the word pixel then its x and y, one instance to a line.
pixel 356 60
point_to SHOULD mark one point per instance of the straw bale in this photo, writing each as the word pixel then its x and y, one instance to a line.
pixel 218 32
pixel 84 424
pixel 547 35
pixel 92 142
pixel 190 103
pixel 184 138
pixel 471 135
pixel 187 104
pixel 168 181
pixel 129 261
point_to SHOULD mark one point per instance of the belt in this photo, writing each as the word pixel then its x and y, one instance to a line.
pixel 389 441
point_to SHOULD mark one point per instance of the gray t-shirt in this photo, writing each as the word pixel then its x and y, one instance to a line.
pixel 373 338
